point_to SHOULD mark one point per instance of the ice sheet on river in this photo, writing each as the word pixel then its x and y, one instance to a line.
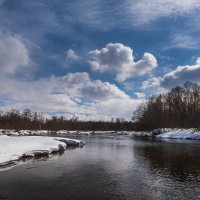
pixel 15 147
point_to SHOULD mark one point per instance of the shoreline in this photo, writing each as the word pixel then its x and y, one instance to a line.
pixel 19 148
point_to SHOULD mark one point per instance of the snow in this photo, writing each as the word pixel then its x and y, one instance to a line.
pixel 169 133
pixel 43 132
pixel 180 134
pixel 13 148
pixel 140 134
pixel 70 142
pixel 61 132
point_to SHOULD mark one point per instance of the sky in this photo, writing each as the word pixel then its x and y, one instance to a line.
pixel 95 59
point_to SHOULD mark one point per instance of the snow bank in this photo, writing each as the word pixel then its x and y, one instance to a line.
pixel 179 134
pixel 169 133
pixel 60 132
pixel 42 132
pixel 13 148
pixel 70 142
pixel 140 134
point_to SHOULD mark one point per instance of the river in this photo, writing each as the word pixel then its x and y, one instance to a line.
pixel 109 167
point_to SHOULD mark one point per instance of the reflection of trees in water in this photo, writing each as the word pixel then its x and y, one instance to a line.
pixel 177 160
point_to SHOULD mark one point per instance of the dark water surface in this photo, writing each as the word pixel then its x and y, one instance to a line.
pixel 109 168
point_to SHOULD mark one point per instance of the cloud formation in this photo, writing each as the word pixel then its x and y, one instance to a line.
pixel 176 77
pixel 13 55
pixel 151 82
pixel 183 41
pixel 118 59
pixel 140 95
pixel 71 55
pixel 145 11
pixel 73 94
pixel 181 75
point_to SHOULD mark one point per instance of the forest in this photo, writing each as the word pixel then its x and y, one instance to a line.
pixel 178 108
pixel 28 120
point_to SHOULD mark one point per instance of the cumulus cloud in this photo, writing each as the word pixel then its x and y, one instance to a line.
pixel 118 59
pixel 140 95
pixel 71 55
pixel 176 77
pixel 182 74
pixel 81 85
pixel 145 11
pixel 74 94
pixel 13 54
pixel 151 82
pixel 99 90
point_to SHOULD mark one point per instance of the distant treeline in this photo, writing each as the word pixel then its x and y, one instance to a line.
pixel 179 108
pixel 28 120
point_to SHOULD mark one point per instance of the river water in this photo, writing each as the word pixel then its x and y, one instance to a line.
pixel 109 168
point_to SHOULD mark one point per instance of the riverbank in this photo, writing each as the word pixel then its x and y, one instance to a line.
pixel 14 148
pixel 171 133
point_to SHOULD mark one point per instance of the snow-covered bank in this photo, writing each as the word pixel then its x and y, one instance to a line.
pixel 59 133
pixel 140 134
pixel 159 133
pixel 42 132
pixel 13 148
pixel 191 134
pixel 169 133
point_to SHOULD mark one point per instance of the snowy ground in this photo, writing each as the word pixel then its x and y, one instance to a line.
pixel 60 132
pixel 168 133
pixel 13 148
pixel 192 134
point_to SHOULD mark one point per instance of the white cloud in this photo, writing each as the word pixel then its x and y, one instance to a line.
pixel 176 77
pixel 13 54
pixel 145 11
pixel 98 90
pixel 183 41
pixel 140 95
pixel 181 75
pixel 117 108
pixel 118 59
pixel 74 94
pixel 71 55
pixel 151 82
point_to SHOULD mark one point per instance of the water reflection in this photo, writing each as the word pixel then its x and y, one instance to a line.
pixel 175 159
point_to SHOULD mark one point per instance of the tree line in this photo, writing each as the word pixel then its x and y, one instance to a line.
pixel 178 108
pixel 28 120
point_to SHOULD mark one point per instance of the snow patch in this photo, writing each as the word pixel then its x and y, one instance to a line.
pixel 12 148
pixel 192 134
pixel 169 133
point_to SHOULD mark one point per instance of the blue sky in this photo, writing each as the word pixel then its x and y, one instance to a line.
pixel 95 59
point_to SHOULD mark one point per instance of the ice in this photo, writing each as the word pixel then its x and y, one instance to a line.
pixel 13 148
